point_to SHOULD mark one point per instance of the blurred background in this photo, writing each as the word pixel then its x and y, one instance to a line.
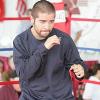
pixel 78 18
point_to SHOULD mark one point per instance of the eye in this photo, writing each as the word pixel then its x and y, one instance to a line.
pixel 42 21
pixel 52 21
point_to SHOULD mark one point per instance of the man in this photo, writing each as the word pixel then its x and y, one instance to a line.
pixel 43 56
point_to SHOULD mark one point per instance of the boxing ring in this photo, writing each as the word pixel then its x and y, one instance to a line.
pixel 68 25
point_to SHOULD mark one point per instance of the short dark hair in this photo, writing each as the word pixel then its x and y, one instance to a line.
pixel 42 6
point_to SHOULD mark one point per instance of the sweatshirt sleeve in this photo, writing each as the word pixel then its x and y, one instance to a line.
pixel 26 65
pixel 72 55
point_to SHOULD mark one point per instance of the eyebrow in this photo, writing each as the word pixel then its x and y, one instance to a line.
pixel 45 20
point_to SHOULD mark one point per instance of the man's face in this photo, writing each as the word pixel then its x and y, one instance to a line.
pixel 43 24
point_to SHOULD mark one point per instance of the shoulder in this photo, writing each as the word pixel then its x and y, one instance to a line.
pixel 62 34
pixel 21 41
pixel 59 32
pixel 22 36
pixel 65 38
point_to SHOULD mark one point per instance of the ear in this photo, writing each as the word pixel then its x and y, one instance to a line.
pixel 31 19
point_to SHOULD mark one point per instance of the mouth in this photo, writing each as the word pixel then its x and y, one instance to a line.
pixel 45 31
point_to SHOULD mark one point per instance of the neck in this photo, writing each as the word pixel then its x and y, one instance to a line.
pixel 34 33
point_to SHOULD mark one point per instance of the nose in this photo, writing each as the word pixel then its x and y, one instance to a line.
pixel 47 25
